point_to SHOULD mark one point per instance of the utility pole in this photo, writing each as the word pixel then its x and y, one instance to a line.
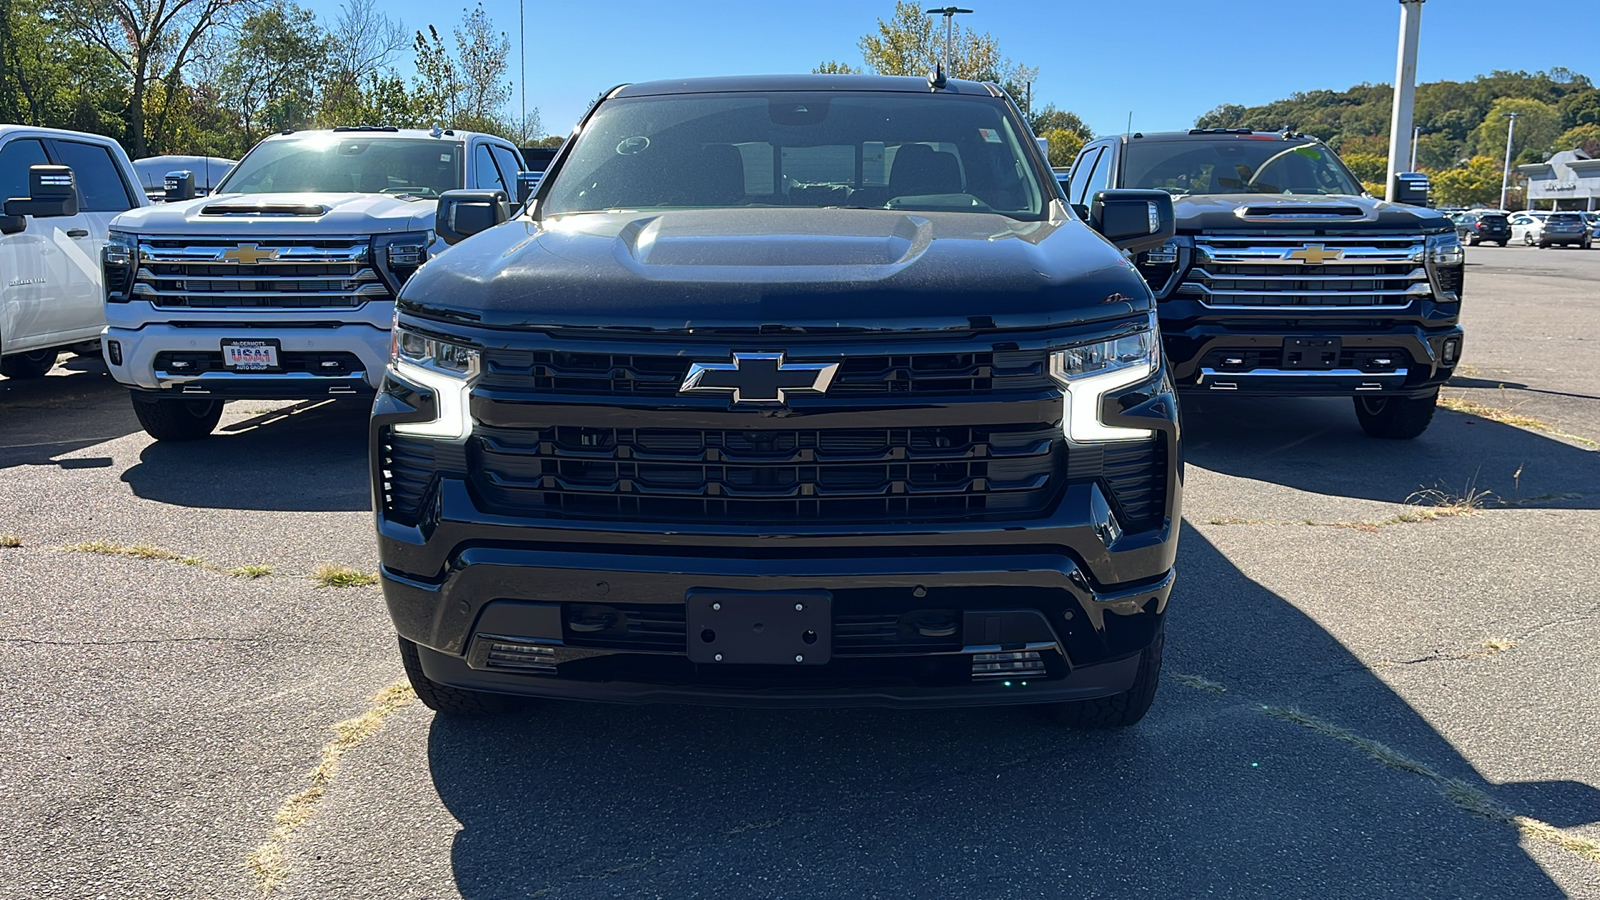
pixel 949 13
pixel 1405 87
pixel 522 72
pixel 1505 174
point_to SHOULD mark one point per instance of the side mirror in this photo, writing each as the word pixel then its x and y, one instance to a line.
pixel 51 192
pixel 13 224
pixel 179 186
pixel 1134 221
pixel 463 214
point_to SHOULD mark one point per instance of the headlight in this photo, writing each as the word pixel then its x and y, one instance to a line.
pixel 1164 255
pixel 1088 372
pixel 1445 250
pixel 118 262
pixel 398 256
pixel 448 368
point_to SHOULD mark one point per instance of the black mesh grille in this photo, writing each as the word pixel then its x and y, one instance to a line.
pixel 652 628
pixel 642 375
pixel 779 475
pixel 1134 474
pixel 1450 278
pixel 407 475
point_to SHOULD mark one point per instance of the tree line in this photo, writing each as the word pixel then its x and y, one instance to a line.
pixel 212 77
pixel 1463 126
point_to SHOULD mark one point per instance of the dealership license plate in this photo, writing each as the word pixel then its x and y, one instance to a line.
pixel 250 356
pixel 779 628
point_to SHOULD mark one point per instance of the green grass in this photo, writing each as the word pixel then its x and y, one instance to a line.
pixel 254 570
pixel 343 576
pixel 137 551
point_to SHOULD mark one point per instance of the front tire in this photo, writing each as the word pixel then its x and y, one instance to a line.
pixel 29 365
pixel 1396 418
pixel 1502 243
pixel 444 699
pixel 174 419
pixel 1118 710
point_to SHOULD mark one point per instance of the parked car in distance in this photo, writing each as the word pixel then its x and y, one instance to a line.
pixel 1527 225
pixel 785 391
pixel 1565 229
pixel 281 284
pixel 208 171
pixel 1483 228
pixel 60 190
pixel 1593 221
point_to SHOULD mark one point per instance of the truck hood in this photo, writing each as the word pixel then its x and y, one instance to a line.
pixel 282 214
pixel 1199 213
pixel 795 269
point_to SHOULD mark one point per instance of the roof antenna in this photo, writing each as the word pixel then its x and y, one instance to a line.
pixel 937 79
pixel 437 130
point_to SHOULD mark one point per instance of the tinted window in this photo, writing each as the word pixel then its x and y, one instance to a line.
pixel 100 184
pixel 486 177
pixel 1494 220
pixel 15 159
pixel 1566 218
pixel 508 166
pixel 1248 165
pixel 865 150
pixel 420 167
pixel 1082 171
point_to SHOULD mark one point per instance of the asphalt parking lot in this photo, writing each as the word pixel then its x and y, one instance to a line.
pixel 1364 696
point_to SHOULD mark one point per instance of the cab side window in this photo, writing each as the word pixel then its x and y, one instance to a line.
pixel 486 177
pixel 509 166
pixel 15 158
pixel 1084 172
pixel 101 187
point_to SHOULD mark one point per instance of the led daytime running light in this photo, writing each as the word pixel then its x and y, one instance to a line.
pixel 1088 372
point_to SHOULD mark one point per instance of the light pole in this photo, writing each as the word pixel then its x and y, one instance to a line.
pixel 1505 174
pixel 1416 135
pixel 949 13
pixel 1405 87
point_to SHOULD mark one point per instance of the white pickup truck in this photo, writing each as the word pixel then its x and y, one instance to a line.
pixel 51 298
pixel 281 283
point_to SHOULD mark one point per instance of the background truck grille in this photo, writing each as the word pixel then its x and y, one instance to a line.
pixel 779 475
pixel 1256 272
pixel 195 273
pixel 644 375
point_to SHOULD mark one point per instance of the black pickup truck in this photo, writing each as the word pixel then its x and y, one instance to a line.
pixel 1285 278
pixel 784 391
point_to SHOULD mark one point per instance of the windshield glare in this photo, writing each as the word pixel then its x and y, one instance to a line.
pixel 793 149
pixel 419 167
pixel 1245 166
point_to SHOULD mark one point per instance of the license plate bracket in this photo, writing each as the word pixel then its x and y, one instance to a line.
pixel 1311 353
pixel 252 355
pixel 759 628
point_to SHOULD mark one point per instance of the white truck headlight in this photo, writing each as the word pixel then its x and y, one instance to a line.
pixel 1087 372
pixel 449 369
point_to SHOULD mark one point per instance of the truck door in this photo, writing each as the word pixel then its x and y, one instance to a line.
pixel 25 259
pixel 102 193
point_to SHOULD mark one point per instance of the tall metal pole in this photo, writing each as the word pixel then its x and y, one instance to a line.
pixel 1505 174
pixel 522 71
pixel 1405 88
pixel 949 13
pixel 1416 135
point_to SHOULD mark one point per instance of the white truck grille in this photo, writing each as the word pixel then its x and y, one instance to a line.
pixel 204 273
pixel 1298 273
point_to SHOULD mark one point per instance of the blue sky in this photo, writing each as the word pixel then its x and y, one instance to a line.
pixel 1166 61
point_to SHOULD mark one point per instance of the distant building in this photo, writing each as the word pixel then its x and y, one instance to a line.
pixel 1568 180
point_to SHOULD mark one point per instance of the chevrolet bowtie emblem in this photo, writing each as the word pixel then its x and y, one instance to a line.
pixel 249 254
pixel 759 377
pixel 1316 254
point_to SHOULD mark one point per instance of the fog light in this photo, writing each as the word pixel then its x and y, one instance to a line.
pixel 1452 346
pixel 114 352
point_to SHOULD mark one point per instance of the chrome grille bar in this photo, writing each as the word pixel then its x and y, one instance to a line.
pixel 290 273
pixel 1299 273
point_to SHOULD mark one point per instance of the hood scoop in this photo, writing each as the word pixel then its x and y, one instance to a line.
pixel 1300 210
pixel 680 239
pixel 264 209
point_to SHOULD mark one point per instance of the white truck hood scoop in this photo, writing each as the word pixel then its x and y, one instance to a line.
pixel 246 208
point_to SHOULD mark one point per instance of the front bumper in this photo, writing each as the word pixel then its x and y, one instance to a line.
pixel 144 349
pixel 1202 357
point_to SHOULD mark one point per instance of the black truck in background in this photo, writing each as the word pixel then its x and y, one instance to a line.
pixel 1285 278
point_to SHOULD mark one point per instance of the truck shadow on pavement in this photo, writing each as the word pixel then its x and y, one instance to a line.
pixel 1317 446
pixel 310 456
pixel 1210 795
pixel 77 406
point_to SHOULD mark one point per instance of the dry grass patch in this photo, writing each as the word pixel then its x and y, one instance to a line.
pixel 137 551
pixel 10 541
pixel 1491 646
pixel 253 570
pixel 268 863
pixel 1200 683
pixel 1506 415
pixel 343 576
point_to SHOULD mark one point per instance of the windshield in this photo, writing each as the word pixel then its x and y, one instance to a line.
pixel 791 149
pixel 1244 166
pixel 333 163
